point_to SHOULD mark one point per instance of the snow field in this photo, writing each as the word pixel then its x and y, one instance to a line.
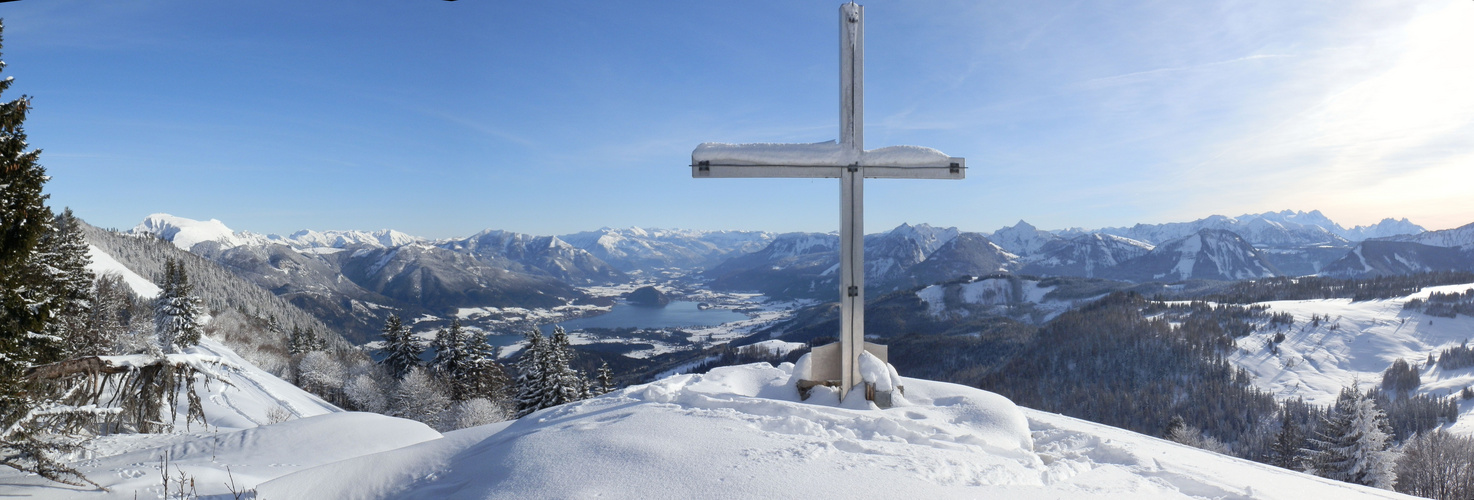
pixel 252 456
pixel 1359 342
pixel 741 432
pixel 100 263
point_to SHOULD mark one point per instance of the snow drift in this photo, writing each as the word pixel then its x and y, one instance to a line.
pixel 741 432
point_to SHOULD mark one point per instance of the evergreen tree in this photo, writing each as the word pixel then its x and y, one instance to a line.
pixel 63 250
pixel 400 353
pixel 565 384
pixel 296 342
pixel 1286 450
pixel 105 325
pixel 1356 445
pixel 176 310
pixel 486 377
pixel 451 362
pixel 545 378
pixel 605 379
pixel 309 341
pixel 27 300
pixel 532 371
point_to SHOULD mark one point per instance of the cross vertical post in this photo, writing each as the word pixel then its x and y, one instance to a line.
pixel 852 193
pixel 837 365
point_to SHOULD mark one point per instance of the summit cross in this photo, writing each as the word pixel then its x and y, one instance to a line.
pixel 837 364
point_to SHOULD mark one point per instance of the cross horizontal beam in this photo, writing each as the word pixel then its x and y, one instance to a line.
pixel 956 168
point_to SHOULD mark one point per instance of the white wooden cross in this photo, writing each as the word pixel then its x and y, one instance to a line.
pixel 837 364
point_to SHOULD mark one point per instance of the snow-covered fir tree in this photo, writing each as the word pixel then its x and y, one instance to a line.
pixel 305 340
pixel 564 383
pixel 1287 450
pixel 63 250
pixel 452 362
pixel 400 352
pixel 112 305
pixel 532 394
pixel 545 378
pixel 605 379
pixel 28 303
pixel 1356 443
pixel 176 310
pixel 485 377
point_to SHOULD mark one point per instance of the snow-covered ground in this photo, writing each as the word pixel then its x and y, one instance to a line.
pixel 1359 341
pixel 736 432
pixel 741 432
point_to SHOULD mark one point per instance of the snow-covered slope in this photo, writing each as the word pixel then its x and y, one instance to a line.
pixel 100 263
pixel 1390 258
pixel 239 433
pixel 741 432
pixel 1211 254
pixel 1359 341
pixel 890 255
pixel 1461 237
pixel 1084 255
pixel 1022 299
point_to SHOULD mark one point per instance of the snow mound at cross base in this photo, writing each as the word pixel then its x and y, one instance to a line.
pixel 741 432
pixel 736 432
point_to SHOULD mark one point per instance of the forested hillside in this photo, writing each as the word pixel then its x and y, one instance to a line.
pixel 218 288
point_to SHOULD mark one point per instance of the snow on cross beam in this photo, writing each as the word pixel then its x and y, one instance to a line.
pixel 822 160
pixel 838 363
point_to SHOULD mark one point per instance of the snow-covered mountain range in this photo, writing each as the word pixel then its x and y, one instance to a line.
pixel 354 278
pixel 1284 228
pixel 635 249
pixel 807 264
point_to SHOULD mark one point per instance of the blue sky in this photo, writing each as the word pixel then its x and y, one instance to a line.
pixel 444 118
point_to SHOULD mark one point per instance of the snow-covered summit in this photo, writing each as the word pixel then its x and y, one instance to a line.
pixel 1022 239
pixel 186 233
pixel 742 432
pixel 1387 228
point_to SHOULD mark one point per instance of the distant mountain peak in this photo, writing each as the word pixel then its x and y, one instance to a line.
pixel 1022 239
pixel 185 233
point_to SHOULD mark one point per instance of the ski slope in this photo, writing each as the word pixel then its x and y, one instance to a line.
pixel 1359 342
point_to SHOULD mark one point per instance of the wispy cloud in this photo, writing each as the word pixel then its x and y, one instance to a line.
pixel 1140 76
pixel 1390 140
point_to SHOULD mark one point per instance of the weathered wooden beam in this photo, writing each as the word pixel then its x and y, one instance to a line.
pixel 62 369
